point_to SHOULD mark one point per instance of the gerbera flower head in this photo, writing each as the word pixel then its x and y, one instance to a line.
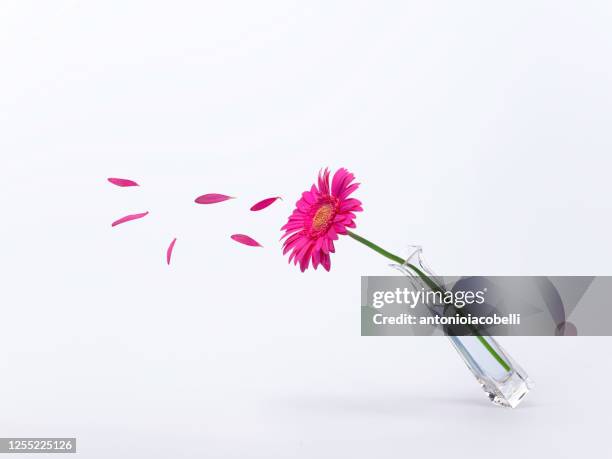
pixel 319 217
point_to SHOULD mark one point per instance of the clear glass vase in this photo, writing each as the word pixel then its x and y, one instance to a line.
pixel 504 381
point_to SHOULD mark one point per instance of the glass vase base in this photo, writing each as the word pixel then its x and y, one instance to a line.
pixel 508 393
pixel 505 386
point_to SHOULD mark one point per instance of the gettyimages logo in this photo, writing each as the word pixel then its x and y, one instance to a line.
pixel 494 305
pixel 411 297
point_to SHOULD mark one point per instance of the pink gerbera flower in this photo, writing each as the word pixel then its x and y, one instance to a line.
pixel 319 217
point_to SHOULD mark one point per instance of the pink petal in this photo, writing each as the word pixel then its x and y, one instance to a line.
pixel 246 240
pixel 128 218
pixel 264 203
pixel 326 261
pixel 324 181
pixel 122 182
pixel 212 198
pixel 350 204
pixel 169 251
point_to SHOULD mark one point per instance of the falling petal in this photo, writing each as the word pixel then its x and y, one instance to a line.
pixel 169 251
pixel 264 203
pixel 246 240
pixel 212 198
pixel 122 182
pixel 128 218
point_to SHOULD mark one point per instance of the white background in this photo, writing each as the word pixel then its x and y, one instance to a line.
pixel 480 130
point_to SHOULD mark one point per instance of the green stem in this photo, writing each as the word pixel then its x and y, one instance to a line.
pixel 431 284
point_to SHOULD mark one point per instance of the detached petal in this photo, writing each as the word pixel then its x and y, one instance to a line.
pixel 129 218
pixel 169 251
pixel 212 198
pixel 246 240
pixel 122 182
pixel 264 203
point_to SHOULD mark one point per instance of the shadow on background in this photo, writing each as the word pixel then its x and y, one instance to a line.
pixel 390 405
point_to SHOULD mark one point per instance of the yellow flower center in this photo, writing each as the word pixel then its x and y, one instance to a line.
pixel 322 217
